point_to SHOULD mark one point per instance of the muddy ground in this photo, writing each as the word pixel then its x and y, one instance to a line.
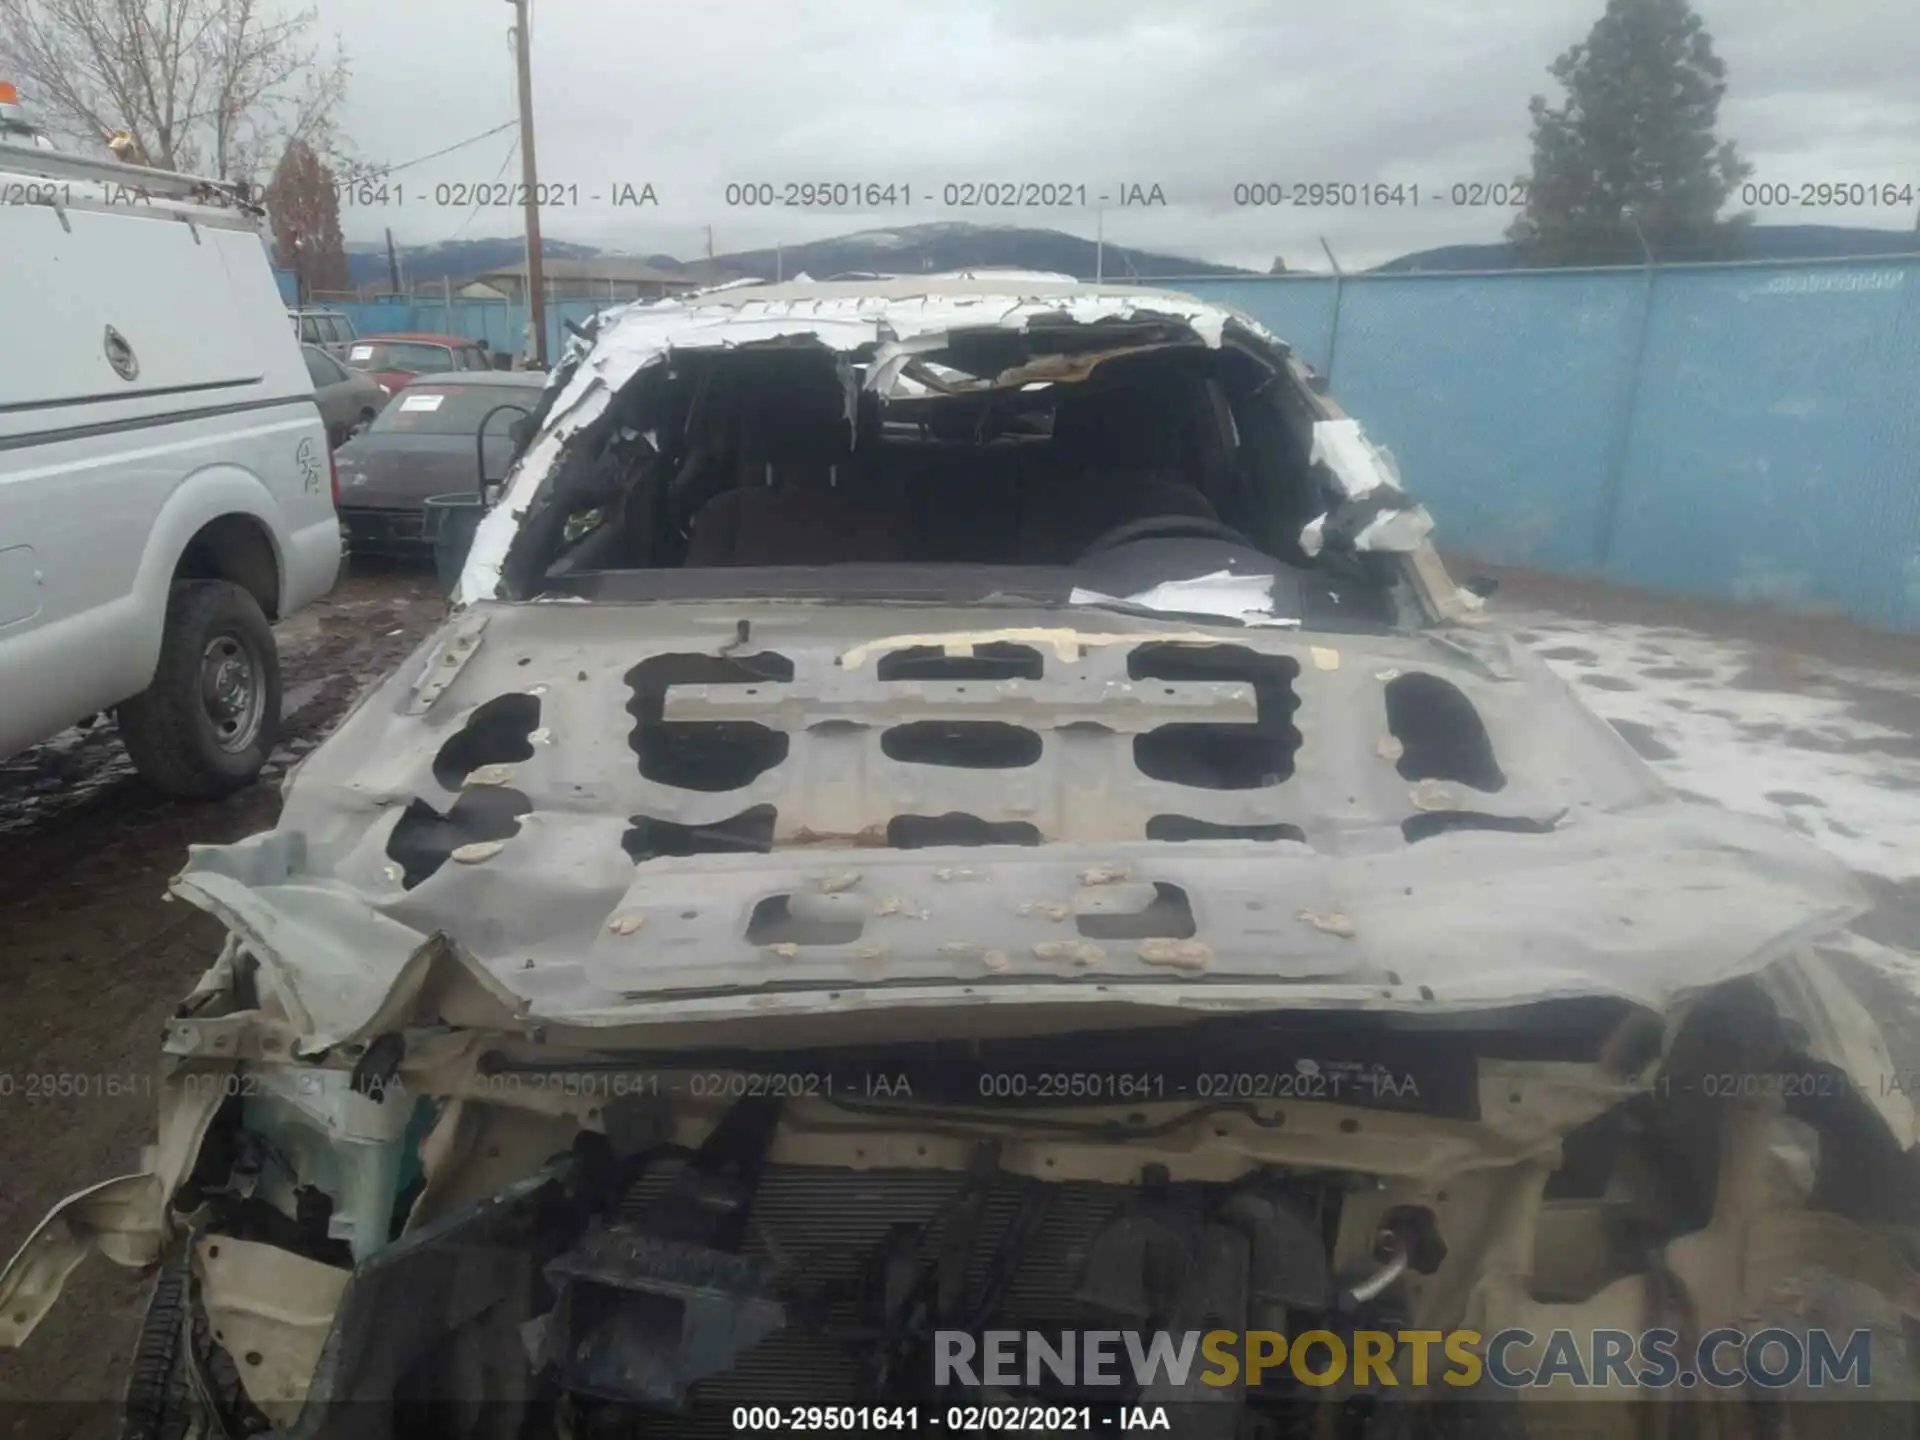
pixel 1815 721
pixel 92 958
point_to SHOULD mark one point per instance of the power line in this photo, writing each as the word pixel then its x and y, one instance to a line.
pixel 457 145
pixel 513 149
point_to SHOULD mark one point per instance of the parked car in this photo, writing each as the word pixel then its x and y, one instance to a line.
pixel 328 329
pixel 959 808
pixel 165 487
pixel 396 359
pixel 428 441
pixel 349 398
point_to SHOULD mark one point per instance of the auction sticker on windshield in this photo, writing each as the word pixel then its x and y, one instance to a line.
pixel 422 402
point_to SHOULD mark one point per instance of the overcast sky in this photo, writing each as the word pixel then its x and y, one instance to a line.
pixel 1195 98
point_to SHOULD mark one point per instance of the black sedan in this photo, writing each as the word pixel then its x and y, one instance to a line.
pixel 428 441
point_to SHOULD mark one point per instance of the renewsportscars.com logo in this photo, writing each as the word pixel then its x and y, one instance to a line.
pixel 1723 1359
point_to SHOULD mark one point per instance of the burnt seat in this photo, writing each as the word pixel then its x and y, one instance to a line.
pixel 797 501
pixel 1117 459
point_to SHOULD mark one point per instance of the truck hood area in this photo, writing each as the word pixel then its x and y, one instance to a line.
pixel 687 1002
pixel 674 817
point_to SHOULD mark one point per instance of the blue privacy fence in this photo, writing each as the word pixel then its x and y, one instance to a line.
pixel 1744 432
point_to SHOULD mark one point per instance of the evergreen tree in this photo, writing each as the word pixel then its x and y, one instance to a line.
pixel 1633 147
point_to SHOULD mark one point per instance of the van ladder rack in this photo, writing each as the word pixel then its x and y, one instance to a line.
pixel 167 184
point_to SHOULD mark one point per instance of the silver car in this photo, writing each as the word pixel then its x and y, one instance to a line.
pixel 349 399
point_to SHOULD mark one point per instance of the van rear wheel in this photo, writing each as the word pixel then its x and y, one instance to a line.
pixel 208 722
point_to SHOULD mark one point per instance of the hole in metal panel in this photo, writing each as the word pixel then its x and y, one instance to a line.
pixel 1167 916
pixel 423 838
pixel 997 661
pixel 496 733
pixel 774 923
pixel 705 755
pixel 1441 735
pixel 916 832
pixel 1441 822
pixel 749 832
pixel 1186 827
pixel 1227 756
pixel 972 744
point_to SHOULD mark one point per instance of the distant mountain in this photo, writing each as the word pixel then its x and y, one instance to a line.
pixel 910 249
pixel 955 245
pixel 1762 242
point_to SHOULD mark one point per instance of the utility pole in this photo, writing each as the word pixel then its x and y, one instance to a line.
pixel 393 266
pixel 1100 244
pixel 530 179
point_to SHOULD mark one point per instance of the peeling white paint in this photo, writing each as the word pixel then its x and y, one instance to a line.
pixel 1246 598
pixel 1398 530
pixel 1358 466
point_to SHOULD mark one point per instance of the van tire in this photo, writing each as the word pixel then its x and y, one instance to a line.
pixel 170 729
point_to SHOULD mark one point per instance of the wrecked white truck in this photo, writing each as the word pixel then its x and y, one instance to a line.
pixel 970 804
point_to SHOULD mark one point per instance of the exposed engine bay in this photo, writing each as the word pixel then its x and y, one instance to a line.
pixel 581 1241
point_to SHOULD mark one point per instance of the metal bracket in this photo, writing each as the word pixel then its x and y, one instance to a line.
pixel 245 1036
pixel 445 663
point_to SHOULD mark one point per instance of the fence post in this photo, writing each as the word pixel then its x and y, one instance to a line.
pixel 1616 477
pixel 1333 330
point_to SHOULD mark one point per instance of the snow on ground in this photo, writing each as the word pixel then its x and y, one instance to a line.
pixel 1832 751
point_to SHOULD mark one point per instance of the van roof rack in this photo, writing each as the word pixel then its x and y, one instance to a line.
pixel 167 184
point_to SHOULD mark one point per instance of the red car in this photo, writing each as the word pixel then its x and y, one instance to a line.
pixel 393 360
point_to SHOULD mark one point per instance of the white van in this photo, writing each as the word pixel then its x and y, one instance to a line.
pixel 165 485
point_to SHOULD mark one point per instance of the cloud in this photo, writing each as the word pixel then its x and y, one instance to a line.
pixel 1196 99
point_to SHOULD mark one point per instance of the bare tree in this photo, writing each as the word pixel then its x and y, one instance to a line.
pixel 216 87
pixel 304 202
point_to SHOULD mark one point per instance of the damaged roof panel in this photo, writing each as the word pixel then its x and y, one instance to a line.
pixel 1477 837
